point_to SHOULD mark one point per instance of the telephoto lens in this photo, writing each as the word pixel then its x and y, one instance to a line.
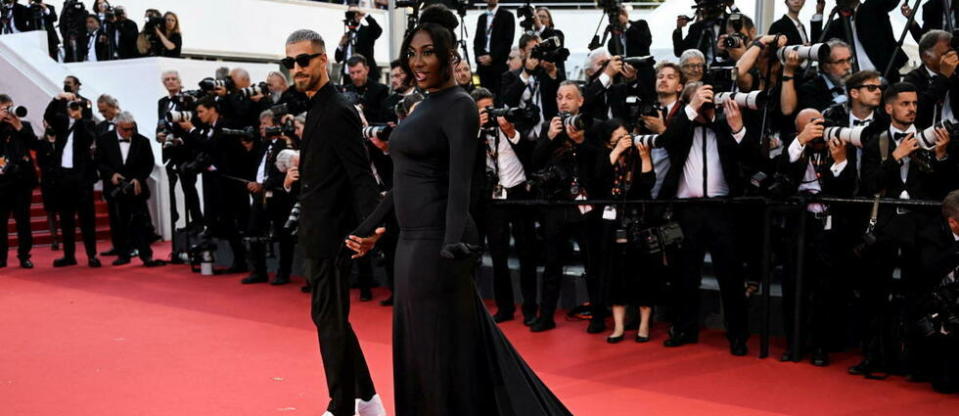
pixel 647 60
pixel 751 100
pixel 649 140
pixel 848 135
pixel 575 121
pixel 378 131
pixel 209 84
pixel 818 52
pixel 179 116
pixel 927 137
pixel 255 89
pixel 19 111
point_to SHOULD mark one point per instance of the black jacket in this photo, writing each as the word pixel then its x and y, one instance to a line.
pixel 15 148
pixel 932 16
pixel 126 47
pixel 501 38
pixel 83 139
pixel 583 161
pixel 638 39
pixel 932 91
pixel 139 163
pixel 875 31
pixel 366 36
pixel 938 252
pixel 22 18
pixel 102 46
pixel 336 184
pixel 884 176
pixel 815 93
pixel 374 95
pixel 512 87
pixel 678 140
pixel 785 26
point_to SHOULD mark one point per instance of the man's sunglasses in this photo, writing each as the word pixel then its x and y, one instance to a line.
pixel 302 59
pixel 872 87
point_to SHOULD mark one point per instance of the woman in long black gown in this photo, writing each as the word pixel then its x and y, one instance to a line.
pixel 449 357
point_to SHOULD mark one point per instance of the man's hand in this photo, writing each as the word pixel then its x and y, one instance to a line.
pixel 186 125
pixel 508 128
pixel 292 175
pixel 257 98
pixel 734 117
pixel 942 143
pixel 629 73
pixel 555 128
pixel 69 96
pixel 137 187
pixel 363 245
pixel 703 94
pixel 379 144
pixel 838 150
pixel 792 63
pixel 655 124
pixel 948 63
pixel 531 64
pixel 220 91
pixel 485 60
pixel 681 21
pixel 550 69
pixel 906 147
pixel 483 117
pixel 254 187
pixel 116 178
pixel 11 119
pixel 812 131
pixel 345 39
pixel 905 9
pixel 614 66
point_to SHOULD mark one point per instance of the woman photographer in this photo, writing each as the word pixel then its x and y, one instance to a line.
pixel 626 277
pixel 170 40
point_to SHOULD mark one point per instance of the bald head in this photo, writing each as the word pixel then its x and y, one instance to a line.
pixel 241 77
pixel 805 116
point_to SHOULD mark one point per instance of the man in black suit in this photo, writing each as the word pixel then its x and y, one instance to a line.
pixel 898 163
pixel 790 26
pixel 607 90
pixel 123 34
pixel 704 163
pixel 337 189
pixel 372 93
pixel 94 46
pixel 866 29
pixel 935 80
pixel 360 36
pixel 703 34
pixel 17 179
pixel 492 41
pixel 109 108
pixel 73 177
pixel 15 18
pixel 176 152
pixel 399 88
pixel 125 161
pixel 940 14
pixel 533 84
pixel 634 40
pixel 826 88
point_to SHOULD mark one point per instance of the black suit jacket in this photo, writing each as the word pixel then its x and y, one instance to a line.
pixel 875 31
pixel 815 93
pixel 83 139
pixel 126 47
pixel 785 26
pixel 932 91
pixel 932 16
pixel 102 46
pixel 366 37
pixel 15 147
pixel 884 176
pixel 512 87
pixel 374 95
pixel 336 184
pixel 938 252
pixel 678 140
pixel 22 18
pixel 501 38
pixel 139 163
pixel 638 39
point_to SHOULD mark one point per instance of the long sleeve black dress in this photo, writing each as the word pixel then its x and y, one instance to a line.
pixel 449 357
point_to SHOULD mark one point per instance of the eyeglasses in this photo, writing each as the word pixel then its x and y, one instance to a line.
pixel 693 66
pixel 850 60
pixel 302 59
pixel 872 87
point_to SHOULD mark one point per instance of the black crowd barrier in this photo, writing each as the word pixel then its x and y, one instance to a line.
pixel 788 206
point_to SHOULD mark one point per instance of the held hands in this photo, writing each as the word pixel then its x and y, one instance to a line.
pixel 906 147
pixel 813 130
pixel 838 150
pixel 363 245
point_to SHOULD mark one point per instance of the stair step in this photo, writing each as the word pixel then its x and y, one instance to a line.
pixel 39 226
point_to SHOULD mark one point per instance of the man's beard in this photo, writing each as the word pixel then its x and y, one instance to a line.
pixel 306 84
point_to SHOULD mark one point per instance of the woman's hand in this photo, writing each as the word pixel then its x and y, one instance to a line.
pixel 363 245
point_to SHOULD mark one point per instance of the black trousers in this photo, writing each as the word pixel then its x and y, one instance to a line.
pixel 709 228
pixel 17 202
pixel 347 375
pixel 267 220
pixel 226 206
pixel 560 224
pixel 501 222
pixel 74 200
pixel 116 230
pixel 490 76
pixel 190 195
pixel 133 220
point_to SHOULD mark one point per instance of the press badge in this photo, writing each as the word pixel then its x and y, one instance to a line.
pixel 609 213
pixel 499 192
pixel 828 223
pixel 583 209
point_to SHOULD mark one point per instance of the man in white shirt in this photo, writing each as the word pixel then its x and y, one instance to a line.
pixel 934 80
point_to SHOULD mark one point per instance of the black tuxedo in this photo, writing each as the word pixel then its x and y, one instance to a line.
pixel 130 227
pixel 785 26
pixel 102 46
pixel 932 90
pixel 500 42
pixel 22 18
pixel 933 16
pixel 696 37
pixel 366 36
pixel 124 44
pixel 678 139
pixel 634 42
pixel 374 95
pixel 53 40
pixel 269 213
pixel 815 93
pixel 513 89
pixel 875 32
pixel 884 177
pixel 17 180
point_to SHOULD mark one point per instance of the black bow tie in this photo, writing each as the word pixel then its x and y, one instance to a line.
pixel 860 123
pixel 837 90
pixel 122 140
pixel 899 136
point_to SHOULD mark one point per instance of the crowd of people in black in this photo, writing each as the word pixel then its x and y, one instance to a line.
pixel 805 111
pixel 101 33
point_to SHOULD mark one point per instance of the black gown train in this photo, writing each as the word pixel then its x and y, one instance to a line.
pixel 449 357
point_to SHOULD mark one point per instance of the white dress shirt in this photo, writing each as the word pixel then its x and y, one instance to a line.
pixel 532 93
pixel 861 56
pixel 853 123
pixel 510 170
pixel 904 166
pixel 704 142
pixel 124 148
pixel 66 159
pixel 92 46
pixel 810 181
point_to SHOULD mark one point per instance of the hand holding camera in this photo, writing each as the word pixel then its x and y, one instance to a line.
pixel 254 187
pixel 812 131
pixel 948 63
pixel 655 124
pixel 792 63
pixel 555 128
pixel 942 143
pixel 508 128
pixel 614 66
pixel 682 21
pixel 703 95
pixel 906 147
pixel 734 117
pixel 838 150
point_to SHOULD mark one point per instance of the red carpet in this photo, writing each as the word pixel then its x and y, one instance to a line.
pixel 136 341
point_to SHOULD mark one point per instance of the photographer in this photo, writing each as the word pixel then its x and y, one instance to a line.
pixel 817 166
pixel 669 85
pixel 176 153
pixel 108 107
pixel 123 34
pixel 826 88
pixel 464 76
pixel 72 29
pixel 399 87
pixel 125 161
pixel 95 45
pixel 868 31
pixel 759 68
pixel 17 179
pixel 73 173
pixel 15 17
pixel 633 40
pixel 863 98
pixel 610 84
pixel 495 31
pixel 566 167
pixel 169 40
pixel 372 94
pixel 238 110
pixel 534 85
pixel 361 34
pixel 217 154
pixel 935 80
pixel 629 272
pixel 703 34
pixel 790 26
pixel 704 159
pixel 506 180
pixel 897 163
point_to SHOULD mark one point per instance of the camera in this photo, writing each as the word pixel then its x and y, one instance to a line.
pixel 177 116
pixel 818 52
pixel 209 84
pixel 77 105
pixel 735 40
pixel 187 99
pixel 722 78
pixel 285 129
pixel 378 131
pixel 528 15
pixel 349 19
pixel 635 61
pixel 168 141
pixel 255 89
pixel 19 111
pixel 125 187
pixel 751 100
pixel 292 223
pixel 649 140
pixel 575 121
pixel 550 182
pixel 637 107
pixel 927 137
pixel 515 115
pixel 245 134
pixel 848 135
pixel 550 50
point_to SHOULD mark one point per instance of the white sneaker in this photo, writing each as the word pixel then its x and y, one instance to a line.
pixel 373 407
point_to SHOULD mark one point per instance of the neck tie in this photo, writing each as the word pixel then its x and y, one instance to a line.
pixel 705 163
pixel 856 123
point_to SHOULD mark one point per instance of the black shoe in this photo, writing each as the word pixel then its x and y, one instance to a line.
pixel 542 324
pixel 121 261
pixel 819 358
pixel 94 263
pixel 529 320
pixel 64 262
pixel 680 339
pixel 24 264
pixel 641 339
pixel 387 302
pixel 254 278
pixel 614 340
pixel 869 370
pixel 502 316
pixel 738 348
pixel 153 263
pixel 238 268
pixel 111 252
pixel 366 295
pixel 281 279
pixel 596 326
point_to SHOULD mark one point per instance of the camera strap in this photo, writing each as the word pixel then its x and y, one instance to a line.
pixel 883 154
